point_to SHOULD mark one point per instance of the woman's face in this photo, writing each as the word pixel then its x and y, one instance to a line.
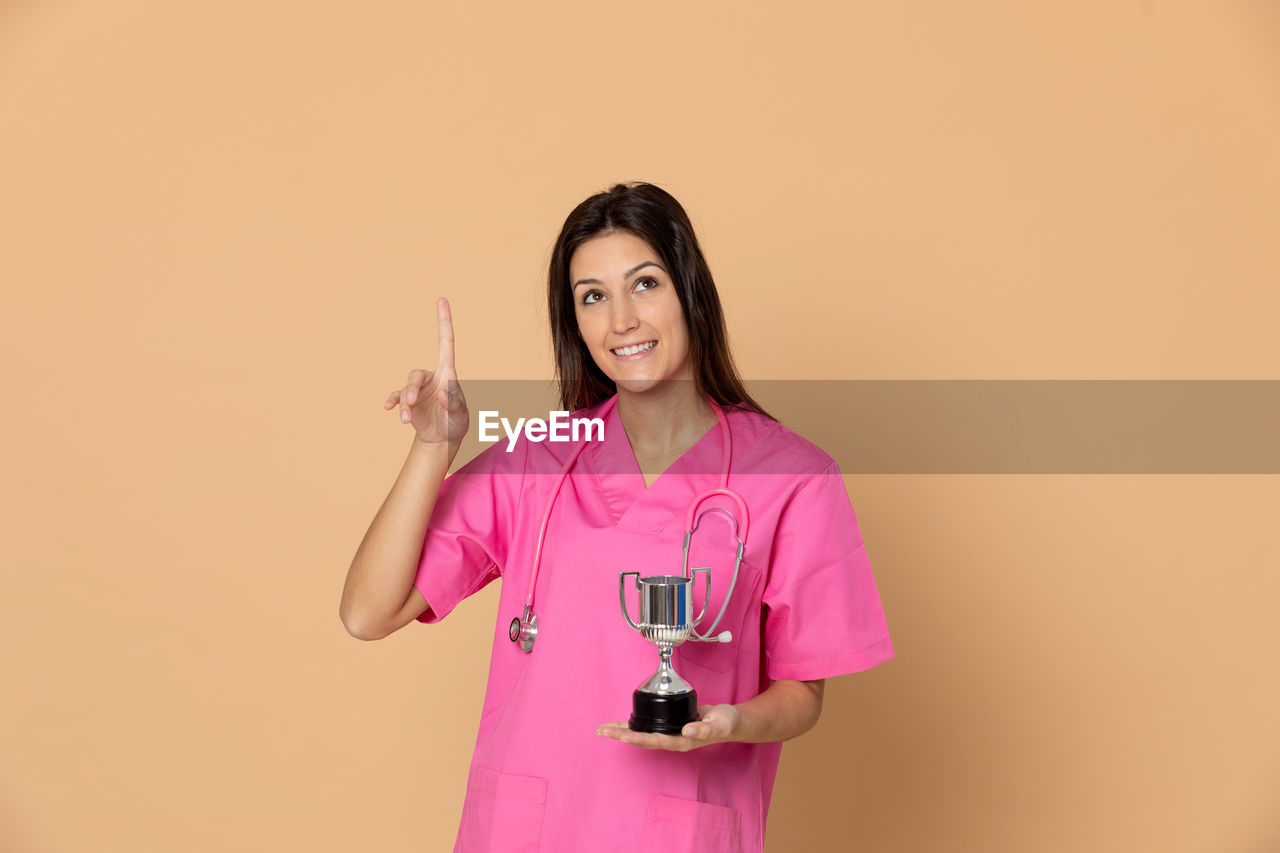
pixel 625 299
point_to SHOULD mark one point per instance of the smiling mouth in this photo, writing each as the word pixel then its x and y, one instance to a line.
pixel 635 350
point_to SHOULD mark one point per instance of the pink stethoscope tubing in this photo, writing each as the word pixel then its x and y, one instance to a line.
pixel 524 628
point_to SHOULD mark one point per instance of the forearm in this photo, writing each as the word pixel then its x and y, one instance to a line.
pixel 785 710
pixel 382 572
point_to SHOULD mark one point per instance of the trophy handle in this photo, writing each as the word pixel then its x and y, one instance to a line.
pixel 622 596
pixel 706 596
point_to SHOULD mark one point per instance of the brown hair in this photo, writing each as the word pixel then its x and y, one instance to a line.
pixel 653 215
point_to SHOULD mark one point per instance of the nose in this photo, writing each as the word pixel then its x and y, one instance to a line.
pixel 623 316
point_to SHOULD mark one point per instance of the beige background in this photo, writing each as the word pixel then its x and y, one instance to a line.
pixel 222 229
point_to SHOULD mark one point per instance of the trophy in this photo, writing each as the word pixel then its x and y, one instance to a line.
pixel 666 702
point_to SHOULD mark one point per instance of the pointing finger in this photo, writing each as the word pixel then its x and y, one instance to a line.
pixel 445 334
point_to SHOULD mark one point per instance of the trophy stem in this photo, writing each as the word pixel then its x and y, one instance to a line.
pixel 664 660
pixel 664 703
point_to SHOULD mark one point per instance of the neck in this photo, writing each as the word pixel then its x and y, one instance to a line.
pixel 667 418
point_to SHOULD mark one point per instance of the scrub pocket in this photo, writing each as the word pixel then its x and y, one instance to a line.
pixel 673 825
pixel 503 811
pixel 720 657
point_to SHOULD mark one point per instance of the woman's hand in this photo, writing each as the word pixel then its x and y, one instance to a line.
pixel 715 724
pixel 786 709
pixel 432 401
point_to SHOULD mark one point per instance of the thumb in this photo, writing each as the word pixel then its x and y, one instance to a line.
pixel 454 391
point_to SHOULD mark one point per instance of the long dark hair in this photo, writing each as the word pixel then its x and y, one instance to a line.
pixel 653 215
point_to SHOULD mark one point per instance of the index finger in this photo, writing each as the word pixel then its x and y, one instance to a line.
pixel 445 333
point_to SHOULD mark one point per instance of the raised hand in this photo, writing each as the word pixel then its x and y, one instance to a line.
pixel 432 401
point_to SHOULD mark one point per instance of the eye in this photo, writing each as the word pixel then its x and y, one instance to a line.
pixel 592 297
pixel 653 282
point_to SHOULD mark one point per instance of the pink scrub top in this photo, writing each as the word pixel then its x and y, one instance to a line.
pixel 805 607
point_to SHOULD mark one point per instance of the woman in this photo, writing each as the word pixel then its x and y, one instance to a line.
pixel 639 342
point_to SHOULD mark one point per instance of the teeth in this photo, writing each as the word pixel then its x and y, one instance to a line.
pixel 635 349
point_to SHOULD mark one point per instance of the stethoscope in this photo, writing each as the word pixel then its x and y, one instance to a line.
pixel 524 628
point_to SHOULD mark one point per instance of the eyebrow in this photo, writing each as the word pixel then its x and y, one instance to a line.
pixel 628 273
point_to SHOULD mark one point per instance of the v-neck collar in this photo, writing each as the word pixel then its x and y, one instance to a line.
pixel 630 504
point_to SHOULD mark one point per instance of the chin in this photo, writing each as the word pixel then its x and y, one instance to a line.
pixel 636 386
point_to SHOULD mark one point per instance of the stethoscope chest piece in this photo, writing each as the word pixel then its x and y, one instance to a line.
pixel 524 630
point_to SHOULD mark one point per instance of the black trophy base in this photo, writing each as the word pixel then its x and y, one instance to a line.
pixel 667 715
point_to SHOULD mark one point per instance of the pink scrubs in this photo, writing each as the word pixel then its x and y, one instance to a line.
pixel 805 607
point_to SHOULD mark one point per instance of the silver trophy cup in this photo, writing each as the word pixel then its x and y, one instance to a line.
pixel 666 702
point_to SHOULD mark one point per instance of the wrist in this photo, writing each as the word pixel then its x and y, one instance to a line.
pixel 438 452
pixel 740 725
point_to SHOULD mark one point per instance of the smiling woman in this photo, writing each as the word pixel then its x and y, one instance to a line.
pixel 641 348
pixel 633 249
pixel 632 324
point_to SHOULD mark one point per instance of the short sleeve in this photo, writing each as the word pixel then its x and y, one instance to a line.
pixel 825 618
pixel 471 528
